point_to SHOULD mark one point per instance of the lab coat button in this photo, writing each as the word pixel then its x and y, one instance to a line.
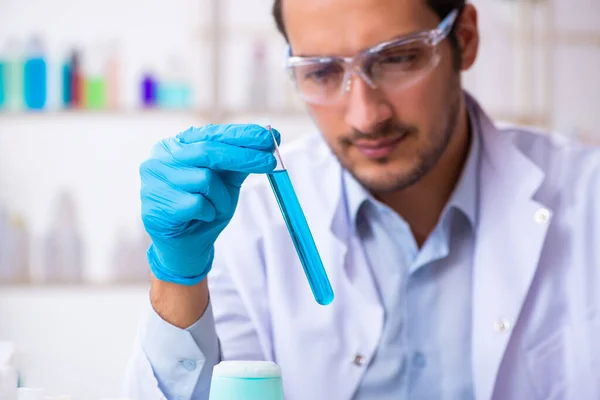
pixel 542 216
pixel 359 360
pixel 419 360
pixel 502 326
pixel 189 365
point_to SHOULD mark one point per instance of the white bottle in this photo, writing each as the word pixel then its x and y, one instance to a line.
pixel 30 394
pixel 63 254
pixel 9 379
pixel 4 246
pixel 18 251
pixel 258 86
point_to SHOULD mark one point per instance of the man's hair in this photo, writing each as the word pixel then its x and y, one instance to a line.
pixel 441 7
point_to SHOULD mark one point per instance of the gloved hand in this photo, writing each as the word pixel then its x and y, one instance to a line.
pixel 190 188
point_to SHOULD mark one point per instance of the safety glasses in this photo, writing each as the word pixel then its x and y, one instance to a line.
pixel 390 66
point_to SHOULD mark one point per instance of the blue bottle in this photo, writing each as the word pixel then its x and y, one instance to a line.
pixel 35 77
pixel 3 79
pixel 66 78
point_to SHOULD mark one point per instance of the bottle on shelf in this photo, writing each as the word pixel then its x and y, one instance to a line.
pixel 30 394
pixel 65 81
pixel 95 68
pixel 63 248
pixel 3 69
pixel 19 250
pixel 35 76
pixel 77 81
pixel 9 378
pixel 13 75
pixel 113 65
pixel 148 90
pixel 174 89
pixel 5 268
pixel 129 263
pixel 259 78
pixel 14 248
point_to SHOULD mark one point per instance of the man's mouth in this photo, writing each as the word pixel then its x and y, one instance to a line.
pixel 378 148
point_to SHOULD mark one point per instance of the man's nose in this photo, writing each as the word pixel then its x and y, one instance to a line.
pixel 367 108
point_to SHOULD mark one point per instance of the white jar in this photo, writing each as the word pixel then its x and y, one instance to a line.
pixel 9 381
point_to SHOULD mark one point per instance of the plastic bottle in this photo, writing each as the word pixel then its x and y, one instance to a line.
pixel 9 378
pixel 77 81
pixel 3 71
pixel 14 248
pixel 94 68
pixel 35 76
pixel 4 245
pixel 30 394
pixel 113 80
pixel 129 262
pixel 63 249
pixel 148 90
pixel 65 82
pixel 174 90
pixel 13 76
pixel 18 250
pixel 258 91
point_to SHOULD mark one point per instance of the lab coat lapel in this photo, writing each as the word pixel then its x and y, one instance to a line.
pixel 510 236
pixel 357 298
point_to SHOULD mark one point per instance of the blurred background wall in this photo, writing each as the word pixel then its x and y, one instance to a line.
pixel 120 75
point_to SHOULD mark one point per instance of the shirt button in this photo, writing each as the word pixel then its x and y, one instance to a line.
pixel 502 326
pixel 419 360
pixel 359 360
pixel 542 216
pixel 189 365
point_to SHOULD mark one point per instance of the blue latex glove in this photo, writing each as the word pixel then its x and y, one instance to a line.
pixel 190 188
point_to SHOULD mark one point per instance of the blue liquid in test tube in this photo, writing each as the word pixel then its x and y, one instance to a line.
pixel 300 232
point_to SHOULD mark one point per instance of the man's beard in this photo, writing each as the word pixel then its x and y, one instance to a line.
pixel 425 161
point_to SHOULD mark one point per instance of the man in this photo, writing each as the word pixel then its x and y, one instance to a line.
pixel 464 259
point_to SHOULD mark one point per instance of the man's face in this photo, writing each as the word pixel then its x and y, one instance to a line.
pixel 387 141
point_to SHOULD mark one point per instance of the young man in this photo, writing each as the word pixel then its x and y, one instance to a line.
pixel 465 259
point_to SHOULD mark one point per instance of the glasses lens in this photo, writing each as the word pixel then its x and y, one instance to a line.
pixel 400 65
pixel 319 81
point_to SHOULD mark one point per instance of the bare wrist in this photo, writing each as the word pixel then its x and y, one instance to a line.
pixel 179 305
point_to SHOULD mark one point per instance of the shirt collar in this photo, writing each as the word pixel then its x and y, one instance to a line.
pixel 463 199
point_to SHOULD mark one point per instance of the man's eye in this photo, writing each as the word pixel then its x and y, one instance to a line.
pixel 323 74
pixel 399 58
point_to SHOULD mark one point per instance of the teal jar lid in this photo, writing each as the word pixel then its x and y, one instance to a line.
pixel 247 370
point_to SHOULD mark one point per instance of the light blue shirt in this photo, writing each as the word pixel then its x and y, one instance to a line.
pixel 416 359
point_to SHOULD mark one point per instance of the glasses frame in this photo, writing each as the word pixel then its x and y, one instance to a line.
pixel 354 65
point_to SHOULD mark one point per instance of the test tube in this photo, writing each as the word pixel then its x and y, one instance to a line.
pixel 299 230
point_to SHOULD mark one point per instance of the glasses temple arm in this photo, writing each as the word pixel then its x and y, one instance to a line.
pixel 446 25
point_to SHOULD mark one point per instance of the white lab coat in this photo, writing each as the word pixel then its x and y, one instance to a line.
pixel 536 283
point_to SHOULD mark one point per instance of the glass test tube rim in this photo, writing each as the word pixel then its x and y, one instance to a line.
pixel 280 165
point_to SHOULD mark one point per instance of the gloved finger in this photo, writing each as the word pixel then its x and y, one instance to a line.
pixel 221 157
pixel 234 179
pixel 251 136
pixel 189 179
pixel 166 207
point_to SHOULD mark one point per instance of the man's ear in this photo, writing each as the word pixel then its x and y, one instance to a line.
pixel 467 35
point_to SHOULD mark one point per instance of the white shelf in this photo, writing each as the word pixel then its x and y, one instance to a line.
pixel 65 288
pixel 102 113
